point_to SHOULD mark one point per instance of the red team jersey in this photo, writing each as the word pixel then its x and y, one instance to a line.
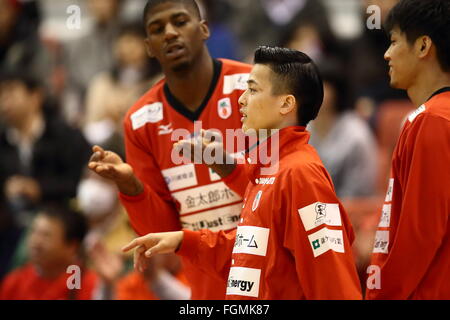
pixel 294 237
pixel 25 283
pixel 412 245
pixel 185 195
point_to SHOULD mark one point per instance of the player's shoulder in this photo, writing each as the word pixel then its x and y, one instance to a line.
pixel 17 275
pixel 304 161
pixel 436 108
pixel 233 66
pixel 151 97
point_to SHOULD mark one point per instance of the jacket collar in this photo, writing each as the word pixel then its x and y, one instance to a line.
pixel 262 159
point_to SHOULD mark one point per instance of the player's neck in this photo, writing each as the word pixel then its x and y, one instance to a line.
pixel 191 86
pixel 428 83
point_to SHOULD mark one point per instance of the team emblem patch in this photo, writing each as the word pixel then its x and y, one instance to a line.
pixel 224 108
pixel 320 210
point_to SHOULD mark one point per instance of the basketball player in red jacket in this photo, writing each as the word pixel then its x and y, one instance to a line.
pixel 411 256
pixel 197 92
pixel 294 237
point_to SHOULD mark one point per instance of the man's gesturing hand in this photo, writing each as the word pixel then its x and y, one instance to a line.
pixel 207 148
pixel 151 244
pixel 109 165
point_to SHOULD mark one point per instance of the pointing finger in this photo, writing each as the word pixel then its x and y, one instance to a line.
pixel 131 245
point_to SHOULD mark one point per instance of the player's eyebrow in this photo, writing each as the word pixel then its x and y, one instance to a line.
pixel 173 16
pixel 251 81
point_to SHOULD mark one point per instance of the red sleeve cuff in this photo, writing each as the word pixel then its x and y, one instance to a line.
pixel 190 243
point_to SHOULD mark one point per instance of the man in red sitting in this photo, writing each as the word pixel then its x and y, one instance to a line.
pixel 54 271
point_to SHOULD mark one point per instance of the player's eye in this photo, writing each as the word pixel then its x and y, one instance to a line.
pixel 181 22
pixel 156 30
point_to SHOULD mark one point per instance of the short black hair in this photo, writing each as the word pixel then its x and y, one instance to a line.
pixel 332 72
pixel 418 18
pixel 296 74
pixel 30 82
pixel 74 223
pixel 153 3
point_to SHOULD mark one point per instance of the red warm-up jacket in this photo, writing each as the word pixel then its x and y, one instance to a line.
pixel 294 237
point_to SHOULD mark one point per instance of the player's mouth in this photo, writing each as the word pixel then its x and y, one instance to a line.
pixel 244 115
pixel 175 50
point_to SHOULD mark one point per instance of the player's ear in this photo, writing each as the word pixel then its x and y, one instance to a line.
pixel 424 45
pixel 204 28
pixel 148 48
pixel 288 104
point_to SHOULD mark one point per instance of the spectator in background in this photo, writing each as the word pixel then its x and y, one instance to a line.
pixel 266 21
pixel 343 140
pixel 54 244
pixel 42 158
pixel 162 280
pixel 223 42
pixel 20 44
pixel 91 54
pixel 314 37
pixel 109 229
pixel 111 93
pixel 367 70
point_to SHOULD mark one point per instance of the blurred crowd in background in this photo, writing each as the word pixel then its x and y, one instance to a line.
pixel 65 89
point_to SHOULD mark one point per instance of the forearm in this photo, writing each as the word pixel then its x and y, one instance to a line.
pixel 210 251
pixel 149 212
pixel 131 187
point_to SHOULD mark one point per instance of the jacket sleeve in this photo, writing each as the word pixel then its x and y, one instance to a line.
pixel 210 251
pixel 319 236
pixel 421 203
pixel 154 209
pixel 237 180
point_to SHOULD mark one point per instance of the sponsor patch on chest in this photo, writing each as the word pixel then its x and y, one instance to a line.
pixel 235 82
pixel 381 243
pixel 151 113
pixel 251 240
pixel 243 282
pixel 180 177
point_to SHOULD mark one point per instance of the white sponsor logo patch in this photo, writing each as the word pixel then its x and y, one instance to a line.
pixel 243 282
pixel 235 82
pixel 225 218
pixel 180 177
pixel 256 200
pixel 414 115
pixel 251 240
pixel 205 197
pixel 325 240
pixel 149 113
pixel 385 216
pixel 390 191
pixel 320 213
pixel 381 242
pixel 224 108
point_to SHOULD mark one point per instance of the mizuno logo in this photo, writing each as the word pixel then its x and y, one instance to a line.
pixel 165 129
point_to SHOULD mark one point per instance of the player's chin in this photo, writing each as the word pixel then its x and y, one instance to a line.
pixel 180 65
pixel 396 84
pixel 248 130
